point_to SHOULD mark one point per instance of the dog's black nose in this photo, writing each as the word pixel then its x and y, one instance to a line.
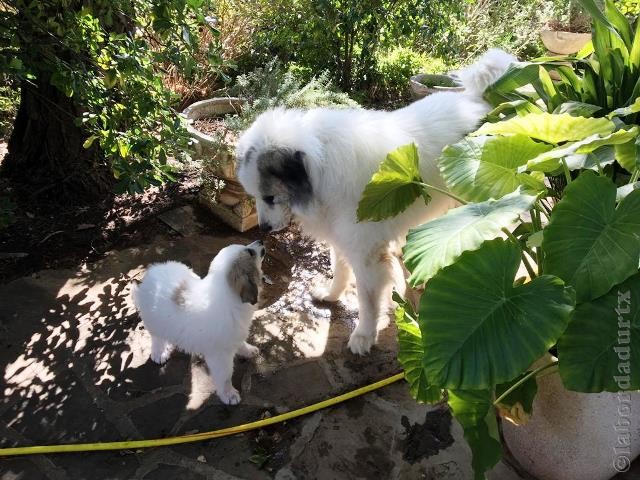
pixel 265 227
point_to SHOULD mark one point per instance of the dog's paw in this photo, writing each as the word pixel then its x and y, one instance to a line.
pixel 248 351
pixel 230 396
pixel 360 343
pixel 322 293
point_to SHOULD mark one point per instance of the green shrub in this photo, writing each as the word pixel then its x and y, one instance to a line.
pixel 511 25
pixel 344 38
pixel 274 86
pixel 394 68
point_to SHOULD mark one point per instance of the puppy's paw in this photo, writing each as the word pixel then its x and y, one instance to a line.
pixel 361 342
pixel 230 396
pixel 323 293
pixel 248 351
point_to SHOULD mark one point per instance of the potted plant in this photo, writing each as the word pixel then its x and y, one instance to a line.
pixel 548 187
pixel 568 32
pixel 425 84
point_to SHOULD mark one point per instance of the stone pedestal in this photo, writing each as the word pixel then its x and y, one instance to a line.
pixel 221 192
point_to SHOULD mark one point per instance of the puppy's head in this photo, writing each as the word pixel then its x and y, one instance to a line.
pixel 242 266
pixel 272 166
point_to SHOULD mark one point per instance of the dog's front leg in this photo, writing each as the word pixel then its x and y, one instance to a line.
pixel 341 277
pixel 247 350
pixel 373 282
pixel 220 366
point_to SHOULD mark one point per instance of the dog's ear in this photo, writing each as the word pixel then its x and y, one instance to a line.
pixel 244 278
pixel 292 172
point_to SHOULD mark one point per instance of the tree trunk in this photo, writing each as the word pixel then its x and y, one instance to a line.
pixel 45 149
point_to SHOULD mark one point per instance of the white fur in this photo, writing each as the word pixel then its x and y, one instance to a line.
pixel 342 149
pixel 212 321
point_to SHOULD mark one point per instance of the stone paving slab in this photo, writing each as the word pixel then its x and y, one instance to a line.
pixel 74 360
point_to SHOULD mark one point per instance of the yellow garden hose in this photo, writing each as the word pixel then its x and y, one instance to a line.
pixel 197 437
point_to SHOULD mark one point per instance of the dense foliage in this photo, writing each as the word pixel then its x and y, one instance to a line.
pixel 106 57
pixel 550 183
pixel 346 38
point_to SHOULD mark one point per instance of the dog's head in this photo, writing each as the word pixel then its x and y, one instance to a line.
pixel 273 166
pixel 242 267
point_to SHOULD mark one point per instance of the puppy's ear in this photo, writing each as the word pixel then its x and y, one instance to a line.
pixel 292 172
pixel 244 278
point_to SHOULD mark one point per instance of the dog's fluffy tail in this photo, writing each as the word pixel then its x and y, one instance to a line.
pixel 486 70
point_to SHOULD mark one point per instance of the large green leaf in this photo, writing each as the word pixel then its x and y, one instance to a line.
pixel 393 188
pixel 478 328
pixel 440 242
pixel 623 111
pixel 551 160
pixel 628 155
pixel 589 361
pixel 480 168
pixel 411 353
pixel 589 243
pixel 474 411
pixel 548 127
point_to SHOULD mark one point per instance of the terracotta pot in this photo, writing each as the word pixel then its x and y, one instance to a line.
pixel 564 43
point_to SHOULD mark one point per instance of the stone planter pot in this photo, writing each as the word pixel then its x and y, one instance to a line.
pixel 572 436
pixel 427 83
pixel 221 193
pixel 564 43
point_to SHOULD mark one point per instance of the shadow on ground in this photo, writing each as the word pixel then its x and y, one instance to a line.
pixel 75 368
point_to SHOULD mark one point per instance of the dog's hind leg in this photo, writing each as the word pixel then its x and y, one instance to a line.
pixel 220 366
pixel 160 350
pixel 373 281
pixel 341 277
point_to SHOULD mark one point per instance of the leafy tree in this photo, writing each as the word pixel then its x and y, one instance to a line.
pixel 345 36
pixel 93 106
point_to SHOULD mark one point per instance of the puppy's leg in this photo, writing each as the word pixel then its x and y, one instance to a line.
pixel 247 350
pixel 341 276
pixel 160 350
pixel 221 369
pixel 373 281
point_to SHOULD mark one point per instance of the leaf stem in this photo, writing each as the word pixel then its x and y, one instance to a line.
pixel 634 176
pixel 567 174
pixel 527 265
pixel 524 379
pixel 443 191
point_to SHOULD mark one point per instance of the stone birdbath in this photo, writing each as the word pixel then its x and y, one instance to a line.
pixel 214 145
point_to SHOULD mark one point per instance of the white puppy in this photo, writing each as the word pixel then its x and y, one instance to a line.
pixel 313 166
pixel 207 316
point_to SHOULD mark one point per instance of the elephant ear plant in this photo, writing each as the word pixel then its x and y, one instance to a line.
pixel 549 184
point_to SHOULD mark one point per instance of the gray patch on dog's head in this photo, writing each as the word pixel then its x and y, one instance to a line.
pixel 282 172
pixel 244 276
pixel 246 158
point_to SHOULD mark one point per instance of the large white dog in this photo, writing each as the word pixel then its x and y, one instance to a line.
pixel 313 166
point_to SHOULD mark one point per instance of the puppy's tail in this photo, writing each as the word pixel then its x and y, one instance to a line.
pixel 486 70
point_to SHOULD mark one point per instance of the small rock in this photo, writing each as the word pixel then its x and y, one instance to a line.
pixel 202 459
